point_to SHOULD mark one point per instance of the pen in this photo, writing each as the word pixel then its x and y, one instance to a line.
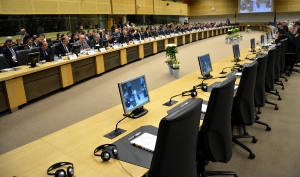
pixel 137 134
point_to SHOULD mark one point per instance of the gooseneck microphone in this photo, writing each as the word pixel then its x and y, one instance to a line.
pixel 117 131
pixel 202 84
pixel 248 55
pixel 223 72
pixel 171 102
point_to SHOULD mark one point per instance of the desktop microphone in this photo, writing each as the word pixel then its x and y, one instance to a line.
pixel 223 72
pixel 250 54
pixel 171 102
pixel 117 131
pixel 202 84
pixel 11 65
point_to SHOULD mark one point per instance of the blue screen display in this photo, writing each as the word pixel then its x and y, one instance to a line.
pixel 236 51
pixel 205 64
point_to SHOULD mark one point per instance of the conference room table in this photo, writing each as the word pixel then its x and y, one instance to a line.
pixel 76 143
pixel 27 84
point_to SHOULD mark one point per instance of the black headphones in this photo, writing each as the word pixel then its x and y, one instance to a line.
pixel 240 69
pixel 193 92
pixel 61 172
pixel 105 155
pixel 204 88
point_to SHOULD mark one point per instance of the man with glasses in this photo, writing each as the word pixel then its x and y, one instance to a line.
pixel 9 53
pixel 29 44
pixel 45 52
pixel 63 47
pixel 82 42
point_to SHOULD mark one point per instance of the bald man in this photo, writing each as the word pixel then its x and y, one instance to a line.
pixel 25 35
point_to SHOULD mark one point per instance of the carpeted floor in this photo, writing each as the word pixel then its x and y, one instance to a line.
pixel 276 151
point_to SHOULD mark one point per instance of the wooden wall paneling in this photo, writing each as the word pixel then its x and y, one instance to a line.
pixel 88 7
pixel 16 7
pixel 203 7
pixel 45 7
pixel 145 6
pixel 161 8
pixel 68 7
pixel 104 7
pixel 123 6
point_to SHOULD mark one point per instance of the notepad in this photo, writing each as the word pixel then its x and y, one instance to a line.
pixel 203 108
pixel 146 141
pixel 238 74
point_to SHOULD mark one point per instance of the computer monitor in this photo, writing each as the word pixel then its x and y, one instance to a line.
pixel 236 52
pixel 262 39
pixel 33 59
pixel 105 43
pixel 76 49
pixel 252 44
pixel 205 66
pixel 134 95
pixel 21 47
pixel 98 46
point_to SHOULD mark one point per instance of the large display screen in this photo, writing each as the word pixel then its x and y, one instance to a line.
pixel 255 6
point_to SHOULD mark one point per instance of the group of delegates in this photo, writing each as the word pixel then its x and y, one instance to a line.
pixel 291 32
pixel 93 38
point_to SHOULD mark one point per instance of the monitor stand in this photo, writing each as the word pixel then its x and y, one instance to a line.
pixel 236 62
pixel 252 50
pixel 137 113
pixel 32 65
pixel 205 77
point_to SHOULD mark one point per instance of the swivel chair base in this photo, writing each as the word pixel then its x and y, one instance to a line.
pixel 251 155
pixel 278 82
pixel 267 102
pixel 268 128
pixel 202 173
pixel 276 93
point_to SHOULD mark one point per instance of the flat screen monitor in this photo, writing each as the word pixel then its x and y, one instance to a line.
pixel 105 43
pixel 98 46
pixel 252 42
pixel 76 49
pixel 205 65
pixel 262 39
pixel 134 95
pixel 236 52
pixel 33 59
pixel 255 6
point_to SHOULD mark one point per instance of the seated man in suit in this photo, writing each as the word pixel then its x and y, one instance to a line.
pixel 9 53
pixel 63 47
pixel 83 43
pixel 138 35
pixel 290 48
pixel 29 44
pixel 35 42
pixel 147 33
pixel 45 52
pixel 96 41
pixel 132 35
pixel 25 35
pixel 110 40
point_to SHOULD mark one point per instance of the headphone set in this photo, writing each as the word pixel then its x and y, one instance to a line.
pixel 61 172
pixel 105 154
pixel 239 69
pixel 193 92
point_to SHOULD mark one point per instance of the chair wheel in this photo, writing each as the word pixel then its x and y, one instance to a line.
pixel 254 140
pixel 279 98
pixel 246 133
pixel 236 176
pixel 257 117
pixel 282 88
pixel 258 112
pixel 276 108
pixel 268 128
pixel 286 80
pixel 251 155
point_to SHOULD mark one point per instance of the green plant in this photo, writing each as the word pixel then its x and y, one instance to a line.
pixel 171 51
pixel 176 65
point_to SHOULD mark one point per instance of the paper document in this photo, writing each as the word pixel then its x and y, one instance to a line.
pixel 204 107
pixel 238 74
pixel 145 141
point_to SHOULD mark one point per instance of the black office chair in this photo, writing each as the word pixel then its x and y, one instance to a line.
pixel 243 105
pixel 277 66
pixel 296 56
pixel 3 62
pixel 34 49
pixel 175 149
pixel 53 48
pixel 22 56
pixel 1 49
pixel 259 90
pixel 282 59
pixel 215 137
pixel 55 41
pixel 269 78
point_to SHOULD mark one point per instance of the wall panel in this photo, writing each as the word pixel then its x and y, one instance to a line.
pixel 123 6
pixel 16 7
pixel 145 7
pixel 161 8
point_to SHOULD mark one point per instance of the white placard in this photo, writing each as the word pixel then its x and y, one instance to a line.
pixel 176 34
pixel 115 46
pixel 102 49
pixel 73 56
pixel 124 45
pixel 163 36
pixel 91 52
pixel 204 108
pixel 142 41
pixel 168 35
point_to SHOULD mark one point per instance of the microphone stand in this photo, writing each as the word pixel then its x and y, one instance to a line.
pixel 223 72
pixel 117 131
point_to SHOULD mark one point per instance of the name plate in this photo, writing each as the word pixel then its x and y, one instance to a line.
pixel 135 42
pixel 73 56
pixel 176 34
pixel 168 36
pixel 142 41
pixel 102 49
pixel 115 46
pixel 91 52
pixel 124 45
pixel 151 39
pixel 163 36
pixel 171 34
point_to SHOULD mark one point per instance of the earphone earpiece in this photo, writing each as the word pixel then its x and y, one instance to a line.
pixel 105 156
pixel 204 88
pixel 240 69
pixel 60 173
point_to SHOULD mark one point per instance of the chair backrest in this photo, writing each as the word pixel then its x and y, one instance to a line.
pixel 53 48
pixel 282 59
pixel 269 84
pixel 22 56
pixel 3 62
pixel 297 51
pixel 175 149
pixel 215 136
pixel 243 102
pixel 278 57
pixel 55 41
pixel 1 49
pixel 259 91
pixel 34 49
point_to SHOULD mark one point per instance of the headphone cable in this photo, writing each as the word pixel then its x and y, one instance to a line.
pixel 124 168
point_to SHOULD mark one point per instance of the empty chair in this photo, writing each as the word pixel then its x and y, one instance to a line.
pixel 215 137
pixel 269 78
pixel 243 105
pixel 277 65
pixel 282 58
pixel 22 56
pixel 53 48
pixel 259 91
pixel 3 62
pixel 296 55
pixel 176 144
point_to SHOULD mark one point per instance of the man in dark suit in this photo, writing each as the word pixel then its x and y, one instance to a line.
pixel 35 42
pixel 63 47
pixel 25 35
pixel 96 41
pixel 138 35
pixel 9 53
pixel 147 32
pixel 132 35
pixel 29 44
pixel 291 45
pixel 45 52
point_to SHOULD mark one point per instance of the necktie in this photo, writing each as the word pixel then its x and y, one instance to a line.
pixel 12 52
pixel 82 46
pixel 45 53
pixel 66 49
